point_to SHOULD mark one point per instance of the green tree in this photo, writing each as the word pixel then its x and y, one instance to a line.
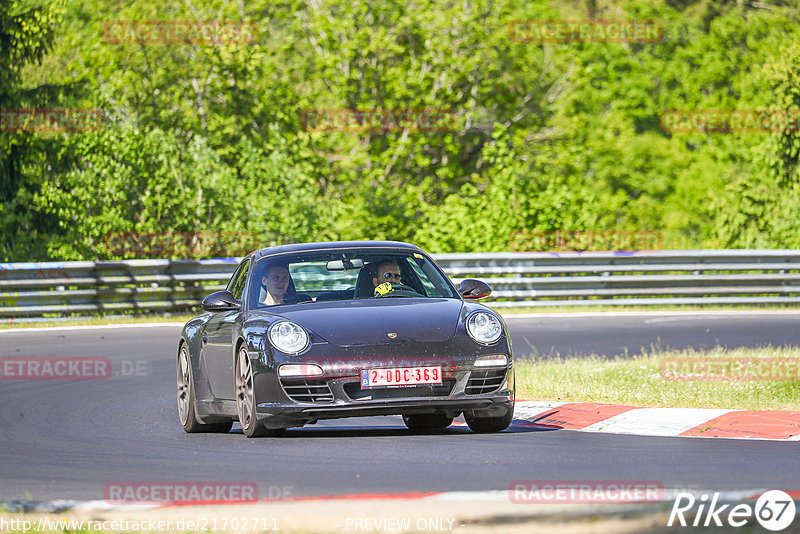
pixel 759 209
pixel 26 34
pixel 546 137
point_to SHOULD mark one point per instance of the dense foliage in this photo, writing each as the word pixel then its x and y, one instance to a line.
pixel 212 134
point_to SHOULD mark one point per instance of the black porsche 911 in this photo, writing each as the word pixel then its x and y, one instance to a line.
pixel 345 329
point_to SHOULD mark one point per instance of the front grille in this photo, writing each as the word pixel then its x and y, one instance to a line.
pixel 302 390
pixel 355 391
pixel 485 381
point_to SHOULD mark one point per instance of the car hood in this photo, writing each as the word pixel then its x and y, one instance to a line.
pixel 370 322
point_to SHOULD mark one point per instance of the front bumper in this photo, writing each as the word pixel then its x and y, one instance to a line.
pixel 337 392
pixel 391 401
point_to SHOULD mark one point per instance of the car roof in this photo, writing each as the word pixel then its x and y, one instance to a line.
pixel 328 245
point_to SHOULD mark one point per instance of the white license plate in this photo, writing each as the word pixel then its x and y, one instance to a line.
pixel 401 376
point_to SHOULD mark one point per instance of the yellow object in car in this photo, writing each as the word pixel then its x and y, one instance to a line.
pixel 382 289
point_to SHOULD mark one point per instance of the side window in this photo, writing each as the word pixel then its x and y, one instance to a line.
pixel 238 280
pixel 430 289
pixel 431 279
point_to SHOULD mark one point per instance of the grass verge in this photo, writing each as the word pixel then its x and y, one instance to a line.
pixel 765 378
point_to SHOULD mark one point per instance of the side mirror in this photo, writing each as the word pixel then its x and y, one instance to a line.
pixel 220 301
pixel 474 289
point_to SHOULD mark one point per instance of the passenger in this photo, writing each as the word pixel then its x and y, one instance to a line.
pixel 275 283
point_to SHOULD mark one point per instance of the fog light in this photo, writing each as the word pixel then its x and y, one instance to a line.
pixel 495 360
pixel 303 369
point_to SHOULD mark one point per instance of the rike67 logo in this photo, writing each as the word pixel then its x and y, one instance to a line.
pixel 774 510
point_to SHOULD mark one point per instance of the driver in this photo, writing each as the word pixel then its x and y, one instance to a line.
pixel 387 271
pixel 387 274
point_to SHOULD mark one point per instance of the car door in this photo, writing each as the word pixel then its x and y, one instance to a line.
pixel 218 340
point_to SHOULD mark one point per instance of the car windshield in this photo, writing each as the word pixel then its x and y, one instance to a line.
pixel 345 275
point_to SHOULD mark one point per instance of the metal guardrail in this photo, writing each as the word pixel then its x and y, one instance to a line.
pixel 518 280
pixel 619 278
pixel 36 289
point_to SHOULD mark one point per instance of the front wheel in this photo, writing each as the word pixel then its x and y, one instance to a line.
pixel 245 399
pixel 483 425
pixel 186 399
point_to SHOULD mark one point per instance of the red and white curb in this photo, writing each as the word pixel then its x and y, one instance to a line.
pixel 688 422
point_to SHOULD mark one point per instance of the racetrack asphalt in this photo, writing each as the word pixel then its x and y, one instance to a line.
pixel 69 439
pixel 612 334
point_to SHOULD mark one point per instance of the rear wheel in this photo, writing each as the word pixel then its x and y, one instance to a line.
pixel 490 424
pixel 186 399
pixel 245 399
pixel 427 421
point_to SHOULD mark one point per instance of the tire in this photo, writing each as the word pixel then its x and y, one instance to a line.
pixel 186 399
pixel 245 399
pixel 484 425
pixel 426 422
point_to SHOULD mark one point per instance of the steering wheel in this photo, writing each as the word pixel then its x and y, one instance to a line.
pixel 400 290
